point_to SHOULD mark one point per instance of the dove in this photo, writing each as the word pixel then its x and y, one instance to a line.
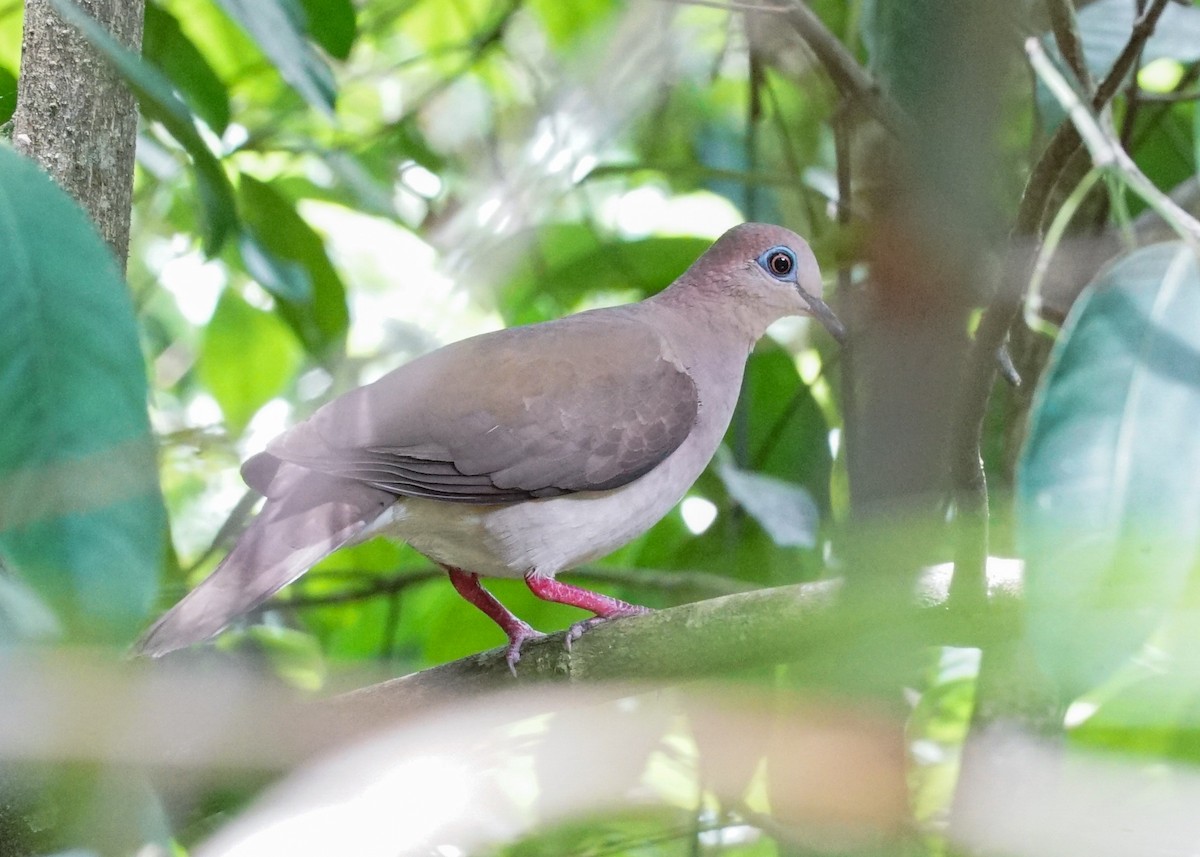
pixel 519 453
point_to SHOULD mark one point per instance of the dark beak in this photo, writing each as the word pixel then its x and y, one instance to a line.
pixel 824 314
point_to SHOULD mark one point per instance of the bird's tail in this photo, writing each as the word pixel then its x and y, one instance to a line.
pixel 312 517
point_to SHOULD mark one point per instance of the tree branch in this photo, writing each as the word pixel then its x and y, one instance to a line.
pixel 706 638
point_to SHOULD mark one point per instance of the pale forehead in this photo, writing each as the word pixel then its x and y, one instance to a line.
pixel 751 239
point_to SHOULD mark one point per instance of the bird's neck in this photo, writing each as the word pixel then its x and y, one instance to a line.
pixel 723 317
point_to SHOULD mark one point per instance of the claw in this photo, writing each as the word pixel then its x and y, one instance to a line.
pixel 516 638
pixel 579 628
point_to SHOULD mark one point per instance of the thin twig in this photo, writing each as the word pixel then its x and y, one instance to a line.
pixel 850 78
pixel 1066 35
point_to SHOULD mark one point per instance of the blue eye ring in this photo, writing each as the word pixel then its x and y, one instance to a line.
pixel 780 263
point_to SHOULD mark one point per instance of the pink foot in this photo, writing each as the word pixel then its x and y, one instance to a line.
pixel 604 606
pixel 517 630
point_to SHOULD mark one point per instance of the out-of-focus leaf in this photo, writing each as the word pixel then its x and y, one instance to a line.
pixel 566 264
pixel 24 618
pixel 332 25
pixel 247 358
pixel 280 29
pixel 284 279
pixel 295 657
pixel 159 101
pixel 1104 29
pixel 81 517
pixel 8 94
pixel 567 22
pixel 1108 503
pixel 319 317
pixel 784 509
pixel 165 45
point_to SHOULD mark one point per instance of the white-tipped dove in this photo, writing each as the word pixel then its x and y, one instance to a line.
pixel 518 453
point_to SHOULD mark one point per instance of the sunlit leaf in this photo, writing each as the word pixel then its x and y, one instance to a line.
pixel 159 101
pixel 247 358
pixel 280 29
pixel 1108 501
pixel 81 518
pixel 165 45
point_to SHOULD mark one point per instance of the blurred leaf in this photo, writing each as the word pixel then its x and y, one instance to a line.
pixel 1104 27
pixel 1108 503
pixel 332 25
pixel 282 278
pixel 290 252
pixel 159 102
pixel 565 23
pixel 784 509
pixel 8 94
pixel 904 43
pixel 567 263
pixel 280 29
pixel 81 518
pixel 247 358
pixel 24 618
pixel 165 46
pixel 294 656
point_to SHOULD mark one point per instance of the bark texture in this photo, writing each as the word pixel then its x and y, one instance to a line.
pixel 75 117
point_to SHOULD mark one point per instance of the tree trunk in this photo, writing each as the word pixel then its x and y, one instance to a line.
pixel 75 117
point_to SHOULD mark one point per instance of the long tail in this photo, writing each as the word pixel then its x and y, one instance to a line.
pixel 310 516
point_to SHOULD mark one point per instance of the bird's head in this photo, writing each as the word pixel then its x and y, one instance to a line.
pixel 769 272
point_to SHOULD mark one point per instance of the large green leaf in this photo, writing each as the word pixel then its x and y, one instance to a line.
pixel 247 358
pixel 159 101
pixel 165 46
pixel 280 29
pixel 288 258
pixel 1108 500
pixel 81 518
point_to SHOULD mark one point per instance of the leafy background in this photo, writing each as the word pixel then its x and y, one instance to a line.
pixel 326 189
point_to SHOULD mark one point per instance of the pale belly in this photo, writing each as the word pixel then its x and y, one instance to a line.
pixel 549 535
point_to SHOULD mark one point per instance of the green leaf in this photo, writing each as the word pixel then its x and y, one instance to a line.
pixel 8 94
pixel 784 509
pixel 81 518
pixel 165 46
pixel 280 29
pixel 567 263
pixel 1108 503
pixel 159 102
pixel 247 358
pixel 309 293
pixel 332 25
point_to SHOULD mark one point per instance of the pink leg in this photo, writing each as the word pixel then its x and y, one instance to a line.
pixel 604 606
pixel 468 586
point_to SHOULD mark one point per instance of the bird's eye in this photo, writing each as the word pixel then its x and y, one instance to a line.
pixel 779 262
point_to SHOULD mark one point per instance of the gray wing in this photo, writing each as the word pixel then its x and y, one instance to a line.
pixel 586 403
